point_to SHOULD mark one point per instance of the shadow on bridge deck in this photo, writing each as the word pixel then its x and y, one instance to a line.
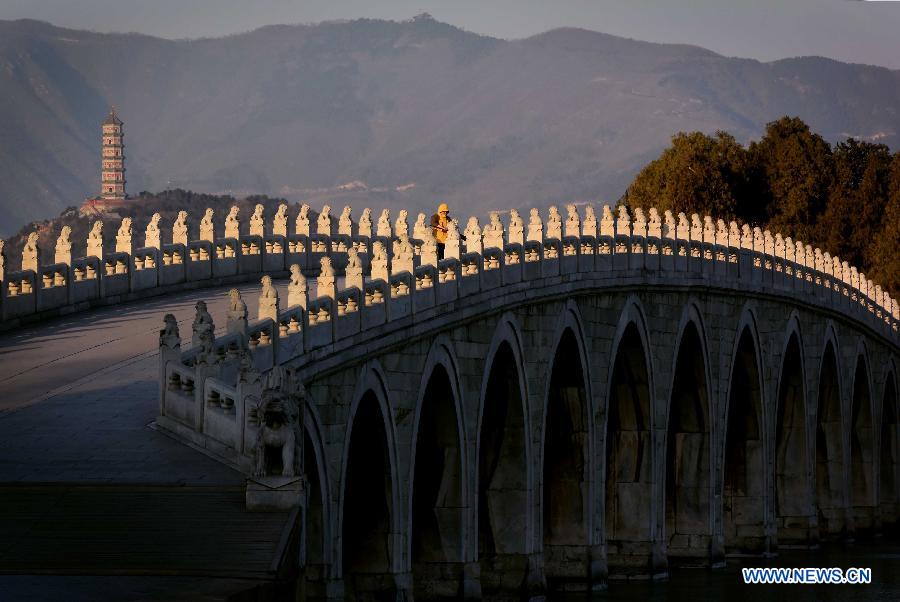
pixel 94 505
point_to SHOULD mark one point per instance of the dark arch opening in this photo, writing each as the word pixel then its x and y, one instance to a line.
pixel 315 569
pixel 792 486
pixel 629 468
pixel 829 457
pixel 565 471
pixel 862 448
pixel 366 531
pixel 502 478
pixel 743 499
pixel 889 456
pixel 437 501
pixel 687 454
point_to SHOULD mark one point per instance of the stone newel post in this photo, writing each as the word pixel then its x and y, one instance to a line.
pixel 31 253
pixel 429 254
pixel 279 222
pixel 124 239
pixel 95 241
pixel 493 232
pixel 353 275
pixel 516 228
pixel 236 321
pixel 573 222
pixel 365 223
pixel 297 293
pixel 207 229
pixel 345 222
pixel 535 226
pixel 383 228
pixel 452 244
pixel 63 252
pixel 203 328
pixel 323 224
pixel 151 234
pixel 473 236
pixel 325 283
pixel 232 224
pixel 403 259
pixel 420 228
pixel 554 223
pixel 257 221
pixel 379 269
pixel 589 225
pixel 301 225
pixel 169 351
pixel 180 229
pixel 268 300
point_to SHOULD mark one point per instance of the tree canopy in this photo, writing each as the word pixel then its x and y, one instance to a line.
pixel 844 199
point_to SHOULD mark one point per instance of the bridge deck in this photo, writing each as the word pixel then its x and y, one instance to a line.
pixel 86 488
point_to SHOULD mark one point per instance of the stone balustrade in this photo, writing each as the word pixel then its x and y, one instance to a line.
pixel 669 246
pixel 717 259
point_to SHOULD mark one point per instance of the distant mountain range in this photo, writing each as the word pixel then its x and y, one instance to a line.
pixel 391 113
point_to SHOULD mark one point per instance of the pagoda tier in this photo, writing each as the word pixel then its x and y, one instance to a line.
pixel 112 156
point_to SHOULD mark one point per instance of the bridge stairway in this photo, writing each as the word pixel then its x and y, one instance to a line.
pixel 111 530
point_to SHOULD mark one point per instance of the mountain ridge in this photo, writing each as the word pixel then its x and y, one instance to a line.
pixel 478 121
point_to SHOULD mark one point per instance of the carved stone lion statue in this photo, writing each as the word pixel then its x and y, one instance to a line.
pixel 384 223
pixel 153 226
pixel 327 269
pixel 125 228
pixel 203 328
pixel 554 216
pixel 96 232
pixel 31 245
pixel 472 228
pixel 64 241
pixel 297 278
pixel 169 336
pixel 277 435
pixel 365 222
pixel 237 309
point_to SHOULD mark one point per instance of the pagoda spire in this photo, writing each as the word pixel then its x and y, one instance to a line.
pixel 112 157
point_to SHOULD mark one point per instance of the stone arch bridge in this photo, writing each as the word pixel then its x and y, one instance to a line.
pixel 548 413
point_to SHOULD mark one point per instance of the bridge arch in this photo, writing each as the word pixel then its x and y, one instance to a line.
pixel 862 442
pixel 689 443
pixel 566 462
pixel 368 523
pixel 629 484
pixel 889 465
pixel 793 469
pixel 318 548
pixel 504 479
pixel 438 497
pixel 743 473
pixel 829 438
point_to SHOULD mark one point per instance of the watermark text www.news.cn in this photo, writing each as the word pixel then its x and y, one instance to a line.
pixel 811 576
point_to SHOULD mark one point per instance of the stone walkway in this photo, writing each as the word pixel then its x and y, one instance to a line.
pixel 86 486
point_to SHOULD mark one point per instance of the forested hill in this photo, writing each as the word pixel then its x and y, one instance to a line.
pixel 391 113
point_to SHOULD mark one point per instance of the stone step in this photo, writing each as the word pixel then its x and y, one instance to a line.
pixel 137 530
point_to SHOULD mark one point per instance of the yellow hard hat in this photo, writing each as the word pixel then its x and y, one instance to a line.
pixel 443 207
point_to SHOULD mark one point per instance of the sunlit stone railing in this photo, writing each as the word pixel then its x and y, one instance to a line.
pixel 666 246
pixel 620 248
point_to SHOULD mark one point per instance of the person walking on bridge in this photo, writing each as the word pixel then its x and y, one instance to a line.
pixel 440 224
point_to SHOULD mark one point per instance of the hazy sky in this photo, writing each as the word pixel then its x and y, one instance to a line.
pixel 847 30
